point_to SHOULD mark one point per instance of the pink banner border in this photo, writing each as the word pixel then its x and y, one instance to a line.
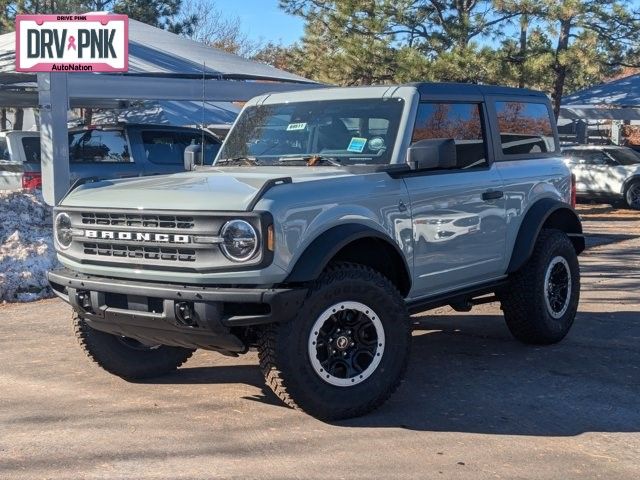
pixel 104 19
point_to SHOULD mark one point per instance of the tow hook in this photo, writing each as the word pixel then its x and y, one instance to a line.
pixel 84 300
pixel 185 314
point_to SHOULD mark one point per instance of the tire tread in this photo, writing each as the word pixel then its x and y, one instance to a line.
pixel 89 339
pixel 268 350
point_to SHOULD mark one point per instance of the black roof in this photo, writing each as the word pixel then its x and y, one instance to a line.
pixel 426 88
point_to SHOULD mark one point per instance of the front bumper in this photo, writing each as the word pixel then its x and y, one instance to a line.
pixel 172 314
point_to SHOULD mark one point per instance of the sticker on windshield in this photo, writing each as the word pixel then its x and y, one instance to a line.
pixel 296 126
pixel 357 144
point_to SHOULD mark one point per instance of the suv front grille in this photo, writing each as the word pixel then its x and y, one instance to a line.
pixel 134 220
pixel 153 240
pixel 140 251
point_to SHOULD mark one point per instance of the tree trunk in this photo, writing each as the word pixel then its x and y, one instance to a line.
pixel 18 119
pixel 559 68
pixel 524 26
pixel 88 116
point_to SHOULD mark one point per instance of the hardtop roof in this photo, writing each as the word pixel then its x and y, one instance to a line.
pixel 445 88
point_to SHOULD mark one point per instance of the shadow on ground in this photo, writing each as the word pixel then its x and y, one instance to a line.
pixel 468 375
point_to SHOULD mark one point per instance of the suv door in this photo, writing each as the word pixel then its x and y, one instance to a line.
pixel 590 168
pixel 458 215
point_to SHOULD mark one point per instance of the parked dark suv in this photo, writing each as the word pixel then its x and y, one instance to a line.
pixel 118 151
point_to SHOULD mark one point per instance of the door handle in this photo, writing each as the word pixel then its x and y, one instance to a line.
pixel 492 195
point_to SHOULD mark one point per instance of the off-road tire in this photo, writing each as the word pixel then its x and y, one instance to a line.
pixel 284 355
pixel 523 300
pixel 114 356
pixel 627 200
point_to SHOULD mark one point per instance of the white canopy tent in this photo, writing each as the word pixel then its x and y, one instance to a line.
pixel 162 66
pixel 616 100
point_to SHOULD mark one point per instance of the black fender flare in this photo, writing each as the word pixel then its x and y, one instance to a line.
pixel 552 213
pixel 325 246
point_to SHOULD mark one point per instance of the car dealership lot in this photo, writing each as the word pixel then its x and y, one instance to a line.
pixel 475 404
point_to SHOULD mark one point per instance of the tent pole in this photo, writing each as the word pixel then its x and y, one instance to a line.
pixel 53 102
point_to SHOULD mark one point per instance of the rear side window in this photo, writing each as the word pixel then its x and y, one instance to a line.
pixel 31 147
pixel 525 128
pixel 461 122
pixel 4 150
pixel 164 147
pixel 101 146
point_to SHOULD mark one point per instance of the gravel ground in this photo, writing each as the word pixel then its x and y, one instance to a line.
pixel 475 405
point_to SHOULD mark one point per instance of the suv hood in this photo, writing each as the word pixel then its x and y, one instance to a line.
pixel 213 189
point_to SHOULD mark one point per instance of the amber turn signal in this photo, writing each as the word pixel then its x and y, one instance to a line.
pixel 271 241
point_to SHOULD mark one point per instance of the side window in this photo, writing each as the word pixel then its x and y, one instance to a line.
pixel 588 157
pixel 525 128
pixel 596 158
pixel 164 147
pixel 461 122
pixel 31 147
pixel 4 150
pixel 103 146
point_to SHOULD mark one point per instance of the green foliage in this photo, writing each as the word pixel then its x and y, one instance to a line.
pixel 159 13
pixel 544 44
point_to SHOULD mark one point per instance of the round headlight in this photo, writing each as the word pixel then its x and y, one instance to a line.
pixel 239 240
pixel 63 231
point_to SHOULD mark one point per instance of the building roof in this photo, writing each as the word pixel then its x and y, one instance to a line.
pixel 156 51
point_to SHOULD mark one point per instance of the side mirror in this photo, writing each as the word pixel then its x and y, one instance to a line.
pixel 432 154
pixel 192 157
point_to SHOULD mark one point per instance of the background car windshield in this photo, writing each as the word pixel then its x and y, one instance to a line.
pixel 349 131
pixel 625 156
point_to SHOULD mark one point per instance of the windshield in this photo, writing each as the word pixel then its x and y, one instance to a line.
pixel 342 132
pixel 624 156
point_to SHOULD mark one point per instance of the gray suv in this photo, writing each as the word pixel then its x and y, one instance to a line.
pixel 328 218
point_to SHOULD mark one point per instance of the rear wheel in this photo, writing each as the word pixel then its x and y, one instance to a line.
pixel 347 349
pixel 632 195
pixel 126 357
pixel 541 300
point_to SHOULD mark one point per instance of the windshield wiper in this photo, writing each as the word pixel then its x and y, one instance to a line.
pixel 238 161
pixel 312 160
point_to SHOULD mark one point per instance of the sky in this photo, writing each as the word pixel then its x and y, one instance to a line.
pixel 263 20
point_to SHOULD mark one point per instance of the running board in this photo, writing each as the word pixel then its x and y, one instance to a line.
pixel 460 300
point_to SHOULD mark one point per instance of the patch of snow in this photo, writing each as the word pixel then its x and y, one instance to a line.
pixel 26 246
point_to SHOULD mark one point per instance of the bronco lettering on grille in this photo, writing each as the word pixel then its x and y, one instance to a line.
pixel 137 236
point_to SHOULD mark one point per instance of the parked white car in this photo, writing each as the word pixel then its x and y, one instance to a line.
pixel 13 158
pixel 606 172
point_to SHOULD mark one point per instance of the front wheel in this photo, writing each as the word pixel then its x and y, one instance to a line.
pixel 126 357
pixel 541 300
pixel 632 196
pixel 347 349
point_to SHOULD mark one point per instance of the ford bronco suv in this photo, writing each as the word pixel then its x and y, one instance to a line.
pixel 329 217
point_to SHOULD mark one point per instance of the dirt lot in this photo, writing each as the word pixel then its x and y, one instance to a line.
pixel 475 404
